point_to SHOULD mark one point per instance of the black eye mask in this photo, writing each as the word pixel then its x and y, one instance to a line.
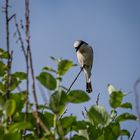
pixel 81 43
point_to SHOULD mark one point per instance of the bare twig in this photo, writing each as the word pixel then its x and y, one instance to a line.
pixel 97 101
pixel 20 37
pixel 39 121
pixel 27 66
pixel 8 49
pixel 83 114
pixel 85 109
pixel 75 79
pixel 133 134
pixel 27 12
pixel 29 54
pixel 11 17
pixel 137 83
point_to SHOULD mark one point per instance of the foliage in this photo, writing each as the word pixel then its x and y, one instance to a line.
pixel 99 124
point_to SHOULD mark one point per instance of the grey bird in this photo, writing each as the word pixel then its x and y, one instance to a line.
pixel 85 58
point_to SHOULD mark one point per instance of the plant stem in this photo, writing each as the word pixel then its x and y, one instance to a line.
pixel 8 50
pixel 75 79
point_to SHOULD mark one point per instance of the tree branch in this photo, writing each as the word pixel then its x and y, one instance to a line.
pixel 20 37
pixel 75 79
pixel 8 50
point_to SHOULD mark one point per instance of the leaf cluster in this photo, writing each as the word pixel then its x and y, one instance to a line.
pixel 98 124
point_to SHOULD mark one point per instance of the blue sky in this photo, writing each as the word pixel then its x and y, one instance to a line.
pixel 112 27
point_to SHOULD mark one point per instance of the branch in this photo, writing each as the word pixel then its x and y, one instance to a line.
pixel 20 37
pixel 39 121
pixel 97 101
pixel 75 79
pixel 11 17
pixel 29 55
pixel 8 49
pixel 133 134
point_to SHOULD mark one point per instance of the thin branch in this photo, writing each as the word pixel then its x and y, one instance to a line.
pixel 20 37
pixel 83 114
pixel 39 121
pixel 27 68
pixel 11 17
pixel 137 83
pixel 97 101
pixel 29 54
pixel 133 134
pixel 27 12
pixel 75 79
pixel 85 109
pixel 8 49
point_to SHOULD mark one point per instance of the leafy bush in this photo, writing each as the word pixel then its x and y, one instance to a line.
pixel 51 123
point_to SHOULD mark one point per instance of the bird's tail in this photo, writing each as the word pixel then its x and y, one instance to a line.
pixel 89 87
pixel 88 81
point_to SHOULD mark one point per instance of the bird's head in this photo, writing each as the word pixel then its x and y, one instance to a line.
pixel 78 43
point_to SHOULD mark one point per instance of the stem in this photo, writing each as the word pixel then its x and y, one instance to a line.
pixel 20 37
pixel 8 50
pixel 75 80
pixel 133 134
pixel 97 100
pixel 30 63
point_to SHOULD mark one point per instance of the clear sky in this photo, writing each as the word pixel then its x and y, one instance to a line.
pixel 112 27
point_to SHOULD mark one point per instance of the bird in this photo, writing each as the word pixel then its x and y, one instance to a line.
pixel 85 56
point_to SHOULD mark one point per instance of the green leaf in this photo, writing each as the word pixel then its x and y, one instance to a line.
pixel 49 69
pixel 125 133
pixel 125 117
pixel 47 80
pixel 78 137
pixel 20 126
pixel 98 115
pixel 16 79
pixel 49 119
pixel 110 89
pixel 116 99
pixel 20 99
pixel 113 114
pixel 80 125
pixel 3 54
pixel 58 101
pixel 19 75
pixel 67 121
pixel 126 105
pixel 3 68
pixel 12 136
pixel 64 66
pixel 14 83
pixel 94 133
pixel 112 131
pixel 9 107
pixel 77 96
pixel 56 60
